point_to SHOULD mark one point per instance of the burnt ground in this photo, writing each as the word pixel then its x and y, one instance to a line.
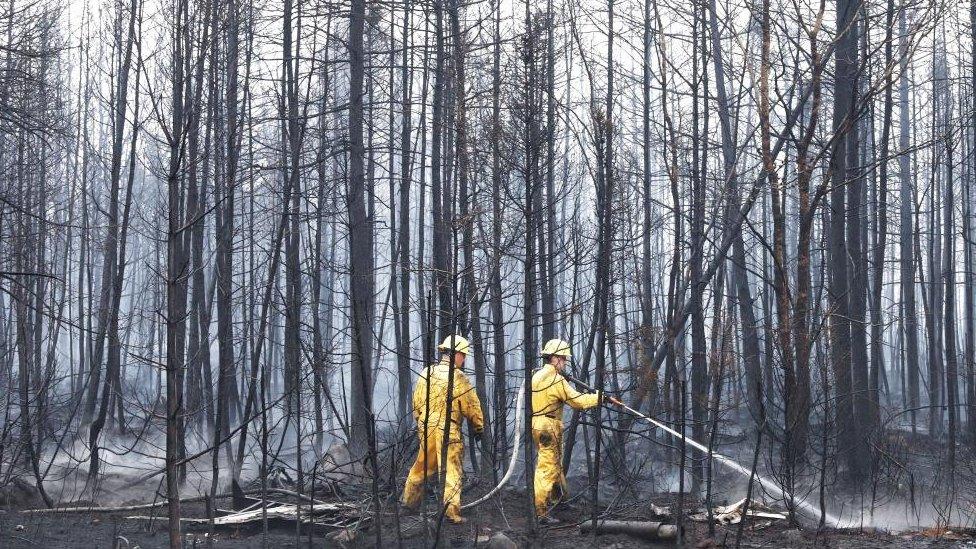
pixel 505 514
pixel 97 530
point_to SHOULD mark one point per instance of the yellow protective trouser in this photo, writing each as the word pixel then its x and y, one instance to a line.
pixel 548 436
pixel 428 457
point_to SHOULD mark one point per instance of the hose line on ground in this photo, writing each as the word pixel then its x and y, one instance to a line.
pixel 517 442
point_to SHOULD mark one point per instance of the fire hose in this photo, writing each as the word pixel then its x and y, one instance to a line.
pixel 519 413
pixel 771 486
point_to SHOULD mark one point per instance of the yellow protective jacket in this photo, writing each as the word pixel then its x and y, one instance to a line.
pixel 550 393
pixel 430 400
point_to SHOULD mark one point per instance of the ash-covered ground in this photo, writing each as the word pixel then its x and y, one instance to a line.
pixel 505 515
pixel 910 503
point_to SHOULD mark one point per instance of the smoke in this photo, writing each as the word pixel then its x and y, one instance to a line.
pixel 902 515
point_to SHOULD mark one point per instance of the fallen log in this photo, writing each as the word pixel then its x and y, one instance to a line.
pixel 117 509
pixel 164 518
pixel 641 529
pixel 317 521
pixel 307 514
pixel 285 511
pixel 872 530
pixel 161 503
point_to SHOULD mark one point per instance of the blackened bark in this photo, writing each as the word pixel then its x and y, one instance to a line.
pixel 943 107
pixel 176 274
pixel 226 376
pixel 361 271
pixel 605 179
pixel 858 267
pixel 699 366
pixel 934 307
pixel 292 141
pixel 647 378
pixel 881 231
pixel 404 354
pixel 967 240
pixel 906 231
pixel 467 227
pixel 443 282
pixel 845 81
pixel 547 227
pixel 495 276
pixel 531 157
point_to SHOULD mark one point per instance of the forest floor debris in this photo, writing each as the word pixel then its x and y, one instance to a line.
pixel 732 514
pixel 499 523
pixel 947 533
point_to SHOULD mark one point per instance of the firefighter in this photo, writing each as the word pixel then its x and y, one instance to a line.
pixel 550 392
pixel 430 402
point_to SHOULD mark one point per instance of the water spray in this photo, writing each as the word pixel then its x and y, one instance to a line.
pixel 771 486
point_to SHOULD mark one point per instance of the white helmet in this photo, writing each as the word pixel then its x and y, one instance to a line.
pixel 557 347
pixel 456 343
